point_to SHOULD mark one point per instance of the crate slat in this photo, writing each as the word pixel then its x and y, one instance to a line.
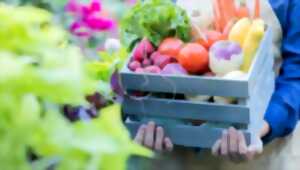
pixel 263 60
pixel 183 109
pixel 178 84
pixel 190 136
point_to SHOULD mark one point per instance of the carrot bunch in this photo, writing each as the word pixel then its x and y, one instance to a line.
pixel 226 11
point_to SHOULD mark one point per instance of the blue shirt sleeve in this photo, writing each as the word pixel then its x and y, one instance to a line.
pixel 283 111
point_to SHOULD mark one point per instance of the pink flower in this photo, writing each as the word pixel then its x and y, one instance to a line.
pixel 77 29
pixel 99 24
pixel 88 18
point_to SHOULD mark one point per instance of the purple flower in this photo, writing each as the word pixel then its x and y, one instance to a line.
pixel 116 86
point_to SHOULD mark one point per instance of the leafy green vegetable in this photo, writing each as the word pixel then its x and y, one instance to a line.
pixel 108 63
pixel 156 20
pixel 40 71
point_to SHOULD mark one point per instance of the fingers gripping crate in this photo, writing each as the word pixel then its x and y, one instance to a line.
pixel 253 96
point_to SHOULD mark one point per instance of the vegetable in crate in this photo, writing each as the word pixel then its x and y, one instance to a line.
pixel 142 50
pixel 240 30
pixel 200 98
pixel 242 10
pixel 194 58
pixel 200 15
pixel 171 47
pixel 174 69
pixel 252 42
pixel 234 75
pixel 210 37
pixel 155 20
pixel 225 57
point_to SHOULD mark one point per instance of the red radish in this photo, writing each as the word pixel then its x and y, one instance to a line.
pixel 162 60
pixel 134 65
pixel 152 69
pixel 139 70
pixel 142 50
pixel 154 55
pixel 170 47
pixel 146 62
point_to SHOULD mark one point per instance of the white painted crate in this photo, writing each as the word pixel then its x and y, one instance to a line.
pixel 253 93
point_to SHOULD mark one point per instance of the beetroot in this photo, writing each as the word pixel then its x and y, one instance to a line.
pixel 142 50
pixel 146 62
pixel 174 69
pixel 154 56
pixel 152 69
pixel 139 70
pixel 134 65
pixel 162 60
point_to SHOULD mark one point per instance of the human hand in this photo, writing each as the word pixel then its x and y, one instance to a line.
pixel 232 146
pixel 153 137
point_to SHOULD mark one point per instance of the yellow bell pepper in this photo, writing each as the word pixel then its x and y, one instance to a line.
pixel 240 30
pixel 252 42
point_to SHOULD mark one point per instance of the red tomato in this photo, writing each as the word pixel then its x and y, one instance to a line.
pixel 212 37
pixel 170 47
pixel 194 58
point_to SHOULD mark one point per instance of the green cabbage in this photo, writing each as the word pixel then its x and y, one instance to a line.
pixel 156 20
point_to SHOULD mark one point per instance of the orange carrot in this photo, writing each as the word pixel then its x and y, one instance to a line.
pixel 228 10
pixel 228 27
pixel 225 11
pixel 257 9
pixel 222 20
pixel 217 15
pixel 242 12
pixel 232 9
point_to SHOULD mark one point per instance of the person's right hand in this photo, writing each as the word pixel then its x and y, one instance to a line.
pixel 153 137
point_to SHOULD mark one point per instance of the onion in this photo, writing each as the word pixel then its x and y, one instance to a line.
pixel 234 75
pixel 197 98
pixel 225 57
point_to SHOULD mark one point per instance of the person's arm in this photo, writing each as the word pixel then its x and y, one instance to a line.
pixel 283 112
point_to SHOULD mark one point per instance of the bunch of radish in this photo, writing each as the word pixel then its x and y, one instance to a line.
pixel 173 56
pixel 146 60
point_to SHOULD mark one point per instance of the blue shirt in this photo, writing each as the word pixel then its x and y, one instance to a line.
pixel 283 111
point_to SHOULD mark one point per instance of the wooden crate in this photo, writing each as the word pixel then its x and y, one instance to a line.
pixel 253 96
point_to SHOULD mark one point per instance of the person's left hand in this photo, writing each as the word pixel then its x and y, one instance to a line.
pixel 232 146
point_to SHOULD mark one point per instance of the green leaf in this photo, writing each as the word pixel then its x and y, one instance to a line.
pixel 156 20
pixel 40 71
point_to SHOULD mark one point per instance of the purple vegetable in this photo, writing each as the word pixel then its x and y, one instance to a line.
pixel 222 53
pixel 234 48
pixel 175 69
pixel 134 65
pixel 225 49
pixel 225 57
pixel 152 69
